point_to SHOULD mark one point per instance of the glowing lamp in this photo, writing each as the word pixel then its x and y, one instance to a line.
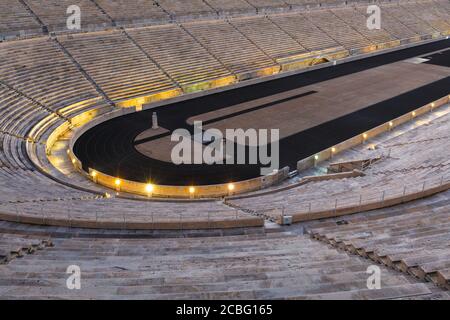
pixel 191 190
pixel 316 157
pixel 333 150
pixel 149 188
pixel 94 174
pixel 230 187
pixel 117 182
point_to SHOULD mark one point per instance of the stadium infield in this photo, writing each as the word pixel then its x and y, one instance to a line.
pixel 312 110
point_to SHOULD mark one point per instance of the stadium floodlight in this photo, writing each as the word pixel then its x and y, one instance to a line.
pixel 149 188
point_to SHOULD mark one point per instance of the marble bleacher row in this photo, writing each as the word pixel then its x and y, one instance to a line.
pixel 179 52
pixel 268 266
pixel 358 21
pixel 240 55
pixel 436 17
pixel 123 213
pixel 394 25
pixel 303 30
pixel 116 65
pixel 409 19
pixel 53 14
pixel 40 70
pixel 16 108
pixel 13 246
pixel 31 16
pixel 134 12
pixel 16 20
pixel 412 238
pixel 401 165
pixel 275 42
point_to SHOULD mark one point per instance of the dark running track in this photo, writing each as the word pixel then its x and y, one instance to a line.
pixel 110 146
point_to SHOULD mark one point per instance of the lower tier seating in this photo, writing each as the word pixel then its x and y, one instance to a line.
pixel 85 210
pixel 13 246
pixel 271 266
pixel 412 238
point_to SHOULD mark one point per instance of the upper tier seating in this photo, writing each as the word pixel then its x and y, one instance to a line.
pixel 304 31
pixel 268 5
pixel 118 66
pixel 392 25
pixel 134 12
pixel 356 20
pixel 277 265
pixel 231 7
pixel 401 165
pixel 233 49
pixel 344 34
pixel 437 18
pixel 180 55
pixel 407 18
pixel 268 37
pixel 53 13
pixel 40 70
pixel 191 8
pixel 413 238
pixel 16 20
